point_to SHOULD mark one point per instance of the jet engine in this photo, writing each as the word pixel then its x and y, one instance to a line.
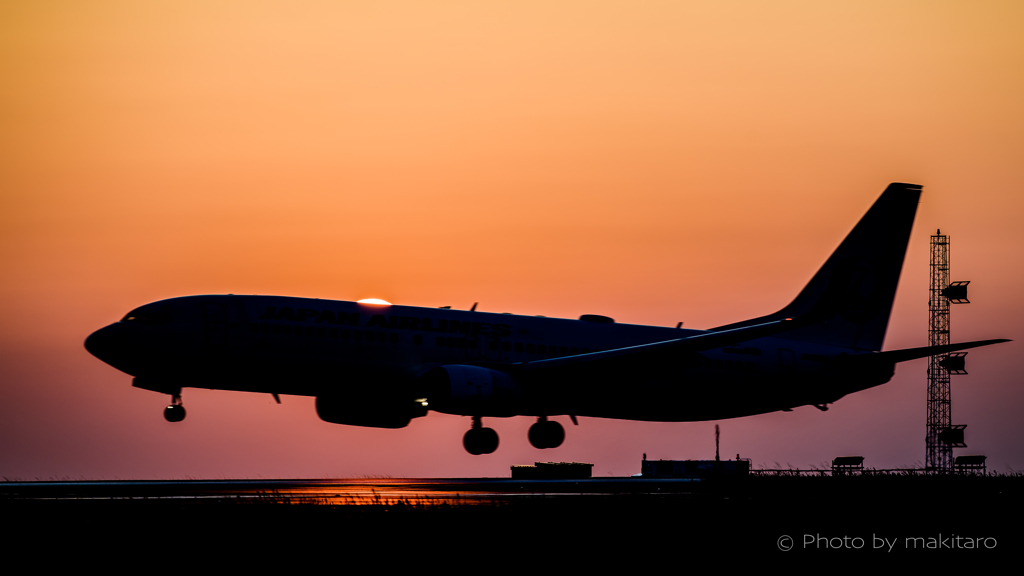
pixel 471 391
pixel 372 413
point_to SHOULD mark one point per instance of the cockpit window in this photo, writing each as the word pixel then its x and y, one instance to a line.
pixel 149 315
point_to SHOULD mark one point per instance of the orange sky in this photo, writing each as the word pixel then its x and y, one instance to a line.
pixel 671 161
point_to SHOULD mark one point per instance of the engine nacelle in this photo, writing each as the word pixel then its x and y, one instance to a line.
pixel 472 391
pixel 372 413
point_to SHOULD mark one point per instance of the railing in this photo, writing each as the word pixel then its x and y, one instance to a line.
pixel 862 472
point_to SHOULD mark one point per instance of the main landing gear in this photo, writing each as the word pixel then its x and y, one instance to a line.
pixel 543 434
pixel 546 433
pixel 175 412
pixel 479 440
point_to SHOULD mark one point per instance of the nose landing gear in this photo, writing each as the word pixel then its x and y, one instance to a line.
pixel 479 440
pixel 546 433
pixel 175 412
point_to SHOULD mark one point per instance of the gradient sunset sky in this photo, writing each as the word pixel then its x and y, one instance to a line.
pixel 651 161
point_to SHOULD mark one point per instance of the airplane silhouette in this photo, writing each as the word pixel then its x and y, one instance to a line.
pixel 370 363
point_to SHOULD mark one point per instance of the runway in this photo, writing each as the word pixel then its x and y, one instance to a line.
pixel 414 491
pixel 476 518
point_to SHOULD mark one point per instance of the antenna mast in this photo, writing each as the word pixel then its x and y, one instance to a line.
pixel 942 435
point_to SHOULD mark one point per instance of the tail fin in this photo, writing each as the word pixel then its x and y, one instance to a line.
pixel 850 298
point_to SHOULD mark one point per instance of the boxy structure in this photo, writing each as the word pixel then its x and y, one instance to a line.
pixel 970 465
pixel 846 465
pixel 553 471
pixel 693 468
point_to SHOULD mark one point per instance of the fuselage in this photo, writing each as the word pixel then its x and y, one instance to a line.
pixel 313 347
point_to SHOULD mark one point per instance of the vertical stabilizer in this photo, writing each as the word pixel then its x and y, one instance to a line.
pixel 850 298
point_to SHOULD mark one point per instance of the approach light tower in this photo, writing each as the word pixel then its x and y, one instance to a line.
pixel 942 435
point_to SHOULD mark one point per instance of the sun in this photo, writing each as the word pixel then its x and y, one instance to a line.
pixel 374 301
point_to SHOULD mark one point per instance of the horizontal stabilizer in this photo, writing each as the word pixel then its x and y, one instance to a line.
pixel 696 343
pixel 893 356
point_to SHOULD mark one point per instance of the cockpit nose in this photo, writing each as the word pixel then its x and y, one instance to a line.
pixel 103 344
pixel 136 342
pixel 121 347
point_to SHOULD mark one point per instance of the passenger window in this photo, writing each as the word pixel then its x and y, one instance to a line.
pixel 505 346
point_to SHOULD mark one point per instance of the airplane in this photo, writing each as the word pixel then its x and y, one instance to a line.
pixel 372 363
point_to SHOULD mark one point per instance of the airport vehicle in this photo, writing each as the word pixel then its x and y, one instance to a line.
pixel 370 363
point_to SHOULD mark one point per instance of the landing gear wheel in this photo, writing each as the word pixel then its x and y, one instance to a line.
pixel 174 413
pixel 480 440
pixel 536 435
pixel 546 434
